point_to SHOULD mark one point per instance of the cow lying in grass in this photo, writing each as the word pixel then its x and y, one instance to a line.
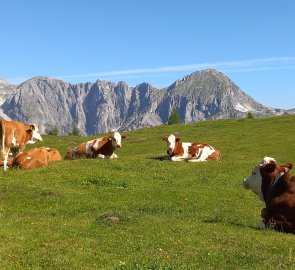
pixel 98 148
pixel 34 158
pixel 191 152
pixel 276 188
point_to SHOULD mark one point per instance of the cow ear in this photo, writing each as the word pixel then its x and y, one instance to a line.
pixel 270 167
pixel 177 139
pixel 123 136
pixel 286 167
pixel 32 127
pixel 165 139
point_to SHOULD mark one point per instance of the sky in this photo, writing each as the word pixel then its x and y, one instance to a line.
pixel 155 41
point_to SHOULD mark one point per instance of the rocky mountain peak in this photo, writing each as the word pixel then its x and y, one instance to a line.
pixel 4 83
pixel 103 106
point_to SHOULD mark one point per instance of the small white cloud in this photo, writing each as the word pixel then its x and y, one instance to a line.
pixel 258 64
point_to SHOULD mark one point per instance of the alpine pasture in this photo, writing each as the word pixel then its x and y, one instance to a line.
pixel 142 212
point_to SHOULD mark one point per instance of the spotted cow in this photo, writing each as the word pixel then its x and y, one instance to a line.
pixel 98 148
pixel 191 152
pixel 273 184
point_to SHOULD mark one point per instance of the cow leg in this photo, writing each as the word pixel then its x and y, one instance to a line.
pixel 202 156
pixel 5 161
pixel 14 152
pixel 215 155
pixel 177 158
pixel 195 160
pixel 261 224
pixel 101 156
pixel 113 156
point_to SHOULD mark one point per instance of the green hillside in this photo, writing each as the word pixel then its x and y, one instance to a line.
pixel 140 212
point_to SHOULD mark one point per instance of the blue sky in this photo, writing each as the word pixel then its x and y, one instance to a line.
pixel 155 41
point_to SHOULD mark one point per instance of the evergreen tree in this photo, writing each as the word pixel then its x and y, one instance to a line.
pixel 174 117
pixel 54 131
pixel 75 131
pixel 250 116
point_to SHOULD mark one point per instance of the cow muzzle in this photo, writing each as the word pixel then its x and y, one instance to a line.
pixel 246 184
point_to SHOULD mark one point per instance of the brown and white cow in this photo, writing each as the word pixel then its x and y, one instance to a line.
pixel 276 188
pixel 191 152
pixel 14 136
pixel 98 148
pixel 36 158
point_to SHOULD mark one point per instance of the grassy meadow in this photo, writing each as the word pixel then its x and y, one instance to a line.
pixel 142 212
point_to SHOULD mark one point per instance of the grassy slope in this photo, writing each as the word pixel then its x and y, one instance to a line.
pixel 172 215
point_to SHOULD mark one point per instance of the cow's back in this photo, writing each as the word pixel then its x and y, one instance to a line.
pixel 34 158
pixel 78 152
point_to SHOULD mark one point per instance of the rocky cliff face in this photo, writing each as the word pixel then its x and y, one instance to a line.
pixel 103 106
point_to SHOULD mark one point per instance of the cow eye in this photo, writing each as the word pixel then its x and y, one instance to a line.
pixel 253 173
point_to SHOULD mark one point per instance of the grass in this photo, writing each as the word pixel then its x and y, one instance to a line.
pixel 140 212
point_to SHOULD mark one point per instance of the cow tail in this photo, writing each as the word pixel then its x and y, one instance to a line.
pixel 2 141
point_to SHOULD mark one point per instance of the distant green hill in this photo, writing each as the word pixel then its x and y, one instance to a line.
pixel 139 212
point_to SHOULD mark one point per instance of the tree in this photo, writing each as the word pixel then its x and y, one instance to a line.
pixel 54 131
pixel 75 131
pixel 249 115
pixel 174 117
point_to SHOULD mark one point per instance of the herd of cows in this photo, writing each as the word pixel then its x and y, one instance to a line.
pixel 270 182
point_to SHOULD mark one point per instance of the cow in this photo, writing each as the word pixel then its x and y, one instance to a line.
pixel 36 158
pixel 273 184
pixel 14 136
pixel 98 148
pixel 191 152
pixel 53 154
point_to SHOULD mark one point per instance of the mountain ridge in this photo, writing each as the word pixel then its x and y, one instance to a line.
pixel 103 106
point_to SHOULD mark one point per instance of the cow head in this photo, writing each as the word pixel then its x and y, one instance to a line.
pixel 116 139
pixel 171 143
pixel 34 134
pixel 264 171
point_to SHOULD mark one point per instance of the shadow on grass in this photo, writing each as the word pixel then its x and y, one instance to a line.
pixel 161 158
pixel 217 219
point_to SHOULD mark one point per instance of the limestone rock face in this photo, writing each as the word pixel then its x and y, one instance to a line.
pixel 104 106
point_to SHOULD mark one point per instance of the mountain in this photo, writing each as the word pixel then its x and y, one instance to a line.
pixel 6 90
pixel 103 106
